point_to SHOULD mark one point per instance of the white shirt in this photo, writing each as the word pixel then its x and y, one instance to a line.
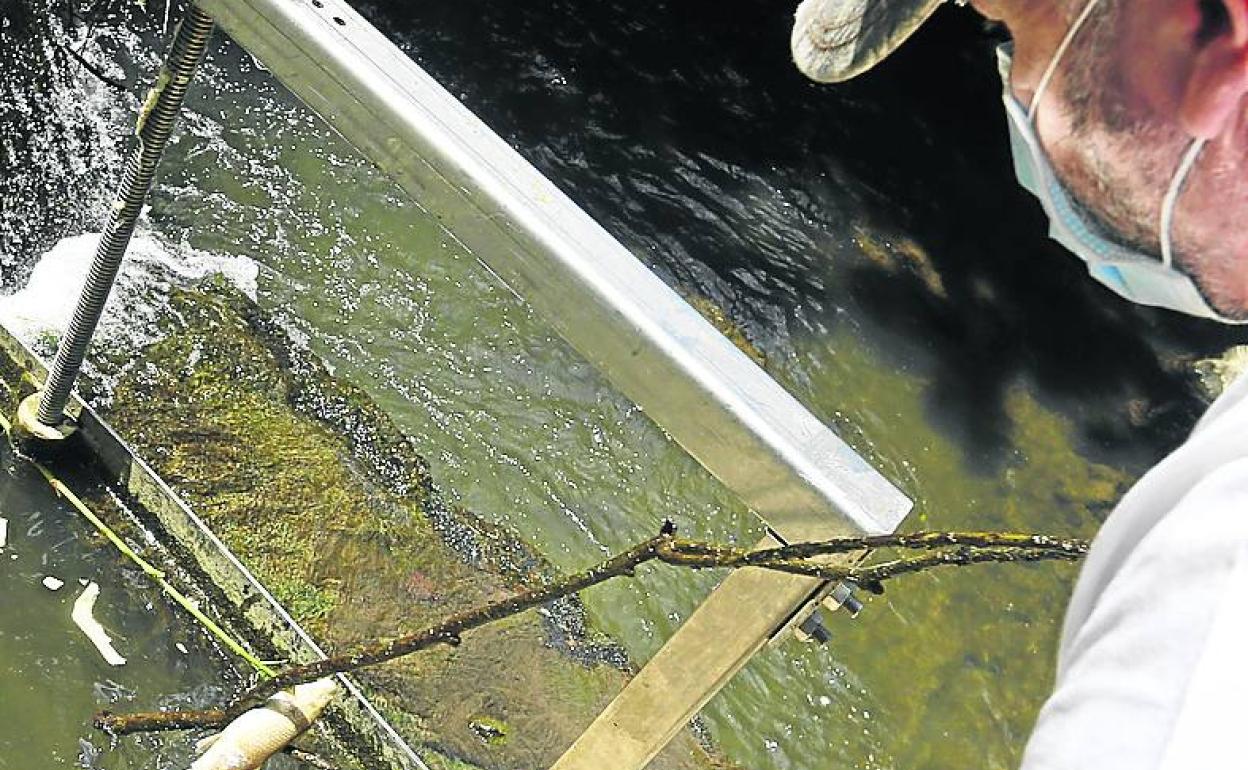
pixel 1153 666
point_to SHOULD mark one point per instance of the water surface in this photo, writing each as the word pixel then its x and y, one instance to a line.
pixel 54 678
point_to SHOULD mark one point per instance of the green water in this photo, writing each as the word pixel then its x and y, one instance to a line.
pixel 946 671
pixel 54 679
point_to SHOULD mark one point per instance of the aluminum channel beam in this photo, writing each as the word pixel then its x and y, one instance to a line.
pixel 722 408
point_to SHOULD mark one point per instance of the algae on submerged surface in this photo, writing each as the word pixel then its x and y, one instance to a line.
pixel 330 505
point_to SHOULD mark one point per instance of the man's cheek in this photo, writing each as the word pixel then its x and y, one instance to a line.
pixel 1155 56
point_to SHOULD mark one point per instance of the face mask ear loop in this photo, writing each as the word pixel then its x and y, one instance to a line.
pixel 1057 58
pixel 1171 200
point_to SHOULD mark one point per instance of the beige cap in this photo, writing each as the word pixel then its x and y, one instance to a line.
pixel 835 40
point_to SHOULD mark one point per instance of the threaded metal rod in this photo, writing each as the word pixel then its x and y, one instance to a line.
pixel 156 121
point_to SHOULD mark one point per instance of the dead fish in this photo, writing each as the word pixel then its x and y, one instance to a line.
pixel 260 733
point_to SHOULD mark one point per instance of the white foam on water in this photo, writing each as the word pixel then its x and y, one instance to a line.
pixel 152 268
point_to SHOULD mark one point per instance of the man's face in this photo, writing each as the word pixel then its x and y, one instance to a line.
pixel 1141 80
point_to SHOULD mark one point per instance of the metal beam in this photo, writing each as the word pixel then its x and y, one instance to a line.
pixel 723 409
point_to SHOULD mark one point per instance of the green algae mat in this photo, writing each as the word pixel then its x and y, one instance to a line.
pixel 328 503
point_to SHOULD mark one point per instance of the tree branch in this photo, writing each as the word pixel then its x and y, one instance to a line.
pixel 449 630
pixel 941 549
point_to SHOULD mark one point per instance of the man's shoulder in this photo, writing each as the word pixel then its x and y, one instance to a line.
pixel 1161 602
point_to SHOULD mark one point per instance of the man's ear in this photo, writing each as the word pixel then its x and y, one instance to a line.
pixel 1218 82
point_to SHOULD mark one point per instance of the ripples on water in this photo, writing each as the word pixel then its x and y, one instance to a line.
pixel 869 239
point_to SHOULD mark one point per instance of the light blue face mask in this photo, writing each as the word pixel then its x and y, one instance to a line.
pixel 1138 277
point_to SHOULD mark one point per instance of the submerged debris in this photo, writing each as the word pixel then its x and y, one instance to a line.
pixel 82 617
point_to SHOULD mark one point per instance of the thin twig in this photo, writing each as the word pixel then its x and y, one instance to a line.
pixel 878 573
pixel 96 71
pixel 155 721
pixel 799 559
pixel 728 556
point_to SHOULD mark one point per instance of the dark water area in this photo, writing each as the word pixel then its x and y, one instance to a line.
pixel 687 131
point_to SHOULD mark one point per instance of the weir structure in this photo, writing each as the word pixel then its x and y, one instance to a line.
pixel 795 473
